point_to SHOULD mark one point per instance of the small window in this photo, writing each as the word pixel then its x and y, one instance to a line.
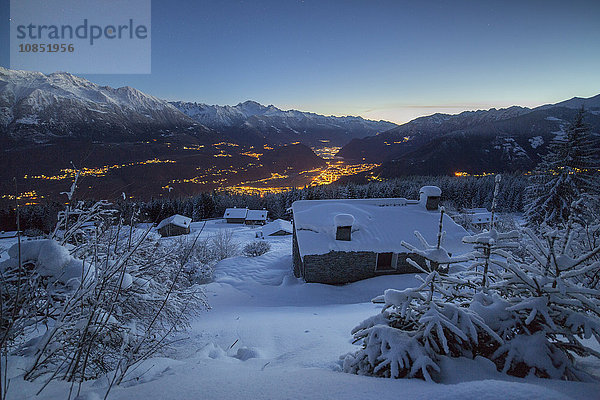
pixel 343 233
pixel 385 262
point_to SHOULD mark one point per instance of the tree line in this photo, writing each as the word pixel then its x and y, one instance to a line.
pixel 457 193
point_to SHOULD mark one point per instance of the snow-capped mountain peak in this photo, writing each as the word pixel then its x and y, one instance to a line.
pixel 63 104
pixel 251 115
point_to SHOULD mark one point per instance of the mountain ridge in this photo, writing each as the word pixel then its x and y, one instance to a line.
pixel 39 108
pixel 279 126
pixel 42 108
pixel 494 140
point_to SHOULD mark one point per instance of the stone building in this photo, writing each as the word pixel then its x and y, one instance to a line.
pixel 174 225
pixel 279 227
pixel 479 217
pixel 245 216
pixel 256 217
pixel 235 215
pixel 346 240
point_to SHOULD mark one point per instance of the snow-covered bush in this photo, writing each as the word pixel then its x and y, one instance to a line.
pixel 256 248
pixel 35 281
pixel 130 300
pixel 407 339
pixel 102 306
pixel 585 231
pixel 419 325
pixel 200 262
pixel 547 313
pixel 94 298
pixel 223 244
pixel 80 222
pixel 490 251
pixel 541 301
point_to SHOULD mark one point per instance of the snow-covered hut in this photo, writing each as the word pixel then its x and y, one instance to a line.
pixel 174 225
pixel 245 216
pixel 279 227
pixel 478 216
pixel 346 240
pixel 235 215
pixel 256 217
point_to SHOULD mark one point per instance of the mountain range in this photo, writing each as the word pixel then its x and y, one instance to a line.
pixel 249 122
pixel 135 142
pixel 38 108
pixel 129 141
pixel 510 139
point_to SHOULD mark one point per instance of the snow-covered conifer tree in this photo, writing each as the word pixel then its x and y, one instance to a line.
pixel 569 170
pixel 419 325
pixel 543 311
pixel 490 248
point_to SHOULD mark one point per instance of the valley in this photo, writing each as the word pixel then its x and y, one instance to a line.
pixel 126 143
pixel 166 169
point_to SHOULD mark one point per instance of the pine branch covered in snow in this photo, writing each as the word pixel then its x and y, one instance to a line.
pixel 490 252
pixel 419 325
pixel 545 314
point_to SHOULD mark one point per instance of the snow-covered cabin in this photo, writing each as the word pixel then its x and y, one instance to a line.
pixel 279 227
pixel 346 240
pixel 256 217
pixel 245 216
pixel 174 225
pixel 478 216
pixel 235 215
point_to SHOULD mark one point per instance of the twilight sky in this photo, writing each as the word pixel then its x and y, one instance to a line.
pixel 393 60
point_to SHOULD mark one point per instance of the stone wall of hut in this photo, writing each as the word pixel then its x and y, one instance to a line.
pixel 339 267
pixel 173 230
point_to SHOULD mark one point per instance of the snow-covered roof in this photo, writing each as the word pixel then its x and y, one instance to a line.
pixel 380 225
pixel 479 215
pixel 256 215
pixel 343 220
pixel 476 210
pixel 431 191
pixel 177 220
pixel 235 213
pixel 276 226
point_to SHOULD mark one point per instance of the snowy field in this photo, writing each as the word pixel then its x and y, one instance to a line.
pixel 268 335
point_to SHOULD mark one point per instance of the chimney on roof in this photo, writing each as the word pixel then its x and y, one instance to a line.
pixel 429 197
pixel 343 225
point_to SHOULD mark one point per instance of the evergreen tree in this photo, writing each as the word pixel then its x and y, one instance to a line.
pixel 566 173
pixel 419 325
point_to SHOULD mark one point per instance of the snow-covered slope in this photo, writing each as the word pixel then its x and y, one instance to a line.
pixel 271 336
pixel 39 107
